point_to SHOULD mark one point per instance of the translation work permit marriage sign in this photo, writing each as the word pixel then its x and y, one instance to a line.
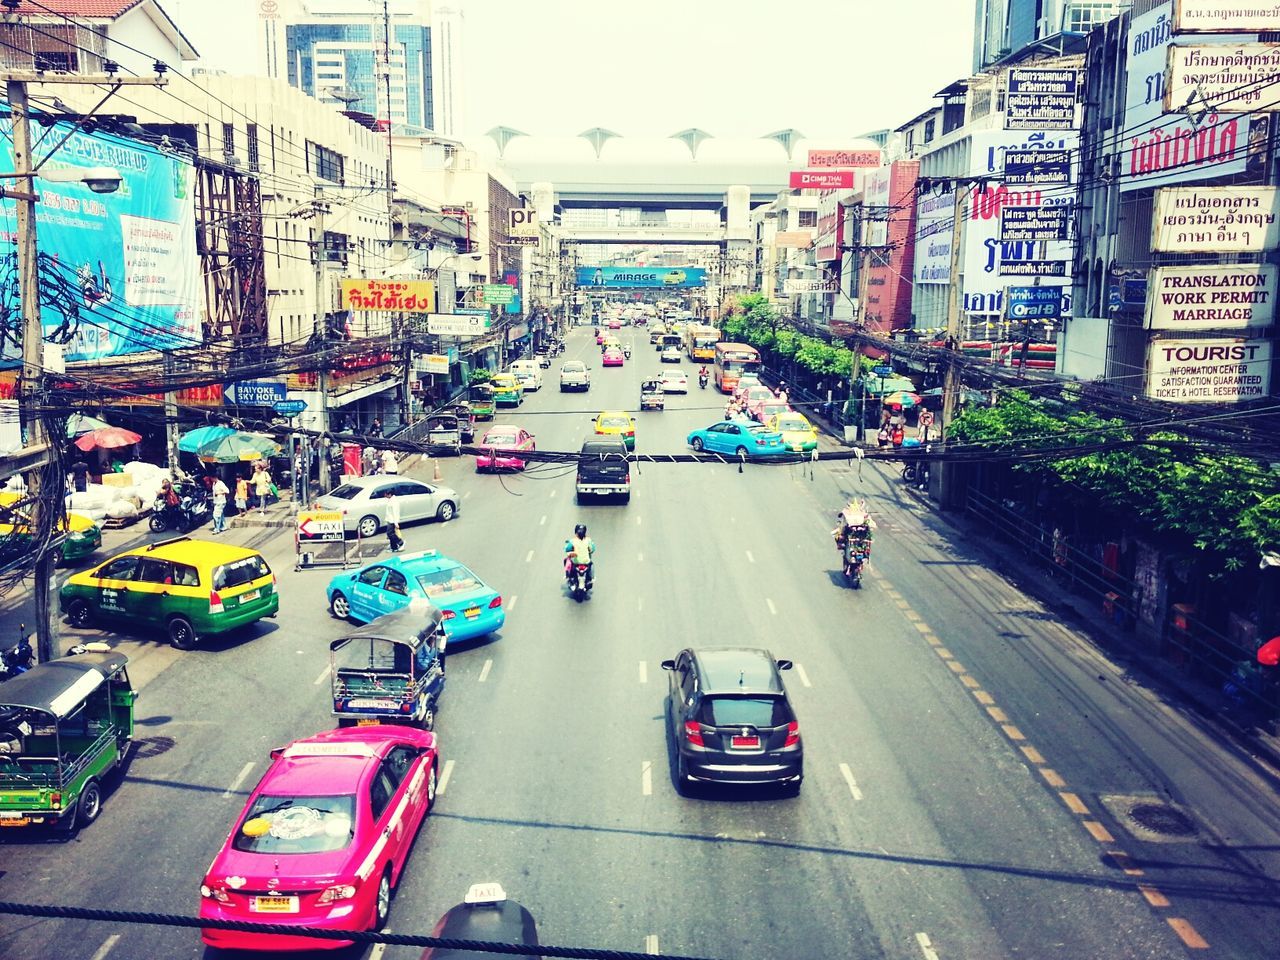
pixel 1220 370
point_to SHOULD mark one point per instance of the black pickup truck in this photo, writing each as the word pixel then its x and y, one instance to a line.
pixel 604 470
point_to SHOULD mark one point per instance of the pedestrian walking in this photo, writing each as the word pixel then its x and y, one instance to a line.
pixel 242 494
pixel 369 457
pixel 262 486
pixel 220 494
pixel 389 463
pixel 80 475
pixel 393 521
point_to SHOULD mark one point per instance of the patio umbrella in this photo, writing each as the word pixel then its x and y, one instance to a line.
pixel 107 438
pixel 193 440
pixel 79 423
pixel 1269 653
pixel 901 398
pixel 237 448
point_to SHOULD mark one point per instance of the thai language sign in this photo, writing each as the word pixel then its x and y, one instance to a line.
pixel 934 215
pixel 402 296
pixel 1041 167
pixel 641 277
pixel 810 286
pixel 1035 303
pixel 255 393
pixel 1225 16
pixel 1226 78
pixel 1040 99
pixel 875 207
pixel 844 159
pixel 1033 268
pixel 1159 148
pixel 821 179
pixel 1215 220
pixel 119 272
pixel 830 231
pixel 498 294
pixel 1035 223
pixel 1212 297
pixel 1208 371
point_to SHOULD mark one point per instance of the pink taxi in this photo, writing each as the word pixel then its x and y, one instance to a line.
pixel 501 448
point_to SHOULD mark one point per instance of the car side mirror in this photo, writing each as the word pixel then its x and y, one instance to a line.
pixel 785 664
pixel 668 664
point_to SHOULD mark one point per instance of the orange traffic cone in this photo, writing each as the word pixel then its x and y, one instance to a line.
pixel 436 476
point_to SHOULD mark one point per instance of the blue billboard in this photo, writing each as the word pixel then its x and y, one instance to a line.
pixel 119 272
pixel 647 278
pixel 1035 303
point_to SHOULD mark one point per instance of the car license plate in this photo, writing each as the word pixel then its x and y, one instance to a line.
pixel 365 704
pixel 743 743
pixel 13 820
pixel 368 722
pixel 251 595
pixel 471 612
pixel 273 904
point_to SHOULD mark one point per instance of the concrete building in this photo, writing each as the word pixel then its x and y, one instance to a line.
pixel 1003 28
pixel 104 31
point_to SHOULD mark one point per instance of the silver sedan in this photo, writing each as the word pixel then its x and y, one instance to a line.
pixel 363 500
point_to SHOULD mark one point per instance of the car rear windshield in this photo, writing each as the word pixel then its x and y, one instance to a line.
pixel 240 572
pixel 347 491
pixel 279 825
pixel 499 436
pixel 790 424
pixel 759 429
pixel 739 711
pixel 615 421
pixel 573 366
pixel 451 580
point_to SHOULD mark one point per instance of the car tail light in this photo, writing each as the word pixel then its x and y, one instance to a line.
pixel 55 799
pixel 448 615
pixel 214 893
pixel 693 733
pixel 215 602
pixel 406 706
pixel 793 734
pixel 495 603
pixel 343 891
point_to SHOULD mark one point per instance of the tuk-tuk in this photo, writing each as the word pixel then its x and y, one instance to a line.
pixel 466 425
pixel 443 430
pixel 652 395
pixel 482 405
pixel 65 726
pixel 392 671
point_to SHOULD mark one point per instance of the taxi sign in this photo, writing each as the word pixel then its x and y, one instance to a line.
pixel 322 526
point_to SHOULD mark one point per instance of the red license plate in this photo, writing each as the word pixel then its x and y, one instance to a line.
pixel 744 742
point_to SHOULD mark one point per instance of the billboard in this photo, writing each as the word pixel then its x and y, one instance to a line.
pixel 875 206
pixel 830 232
pixel 1040 99
pixel 119 272
pixel 934 215
pixel 1225 370
pixel 1228 78
pixel 404 296
pixel 1224 16
pixel 1035 303
pixel 1042 167
pixel 523 228
pixel 821 179
pixel 1216 220
pixel 801 239
pixel 1204 296
pixel 617 278
pixel 844 159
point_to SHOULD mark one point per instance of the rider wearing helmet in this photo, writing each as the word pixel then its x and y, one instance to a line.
pixel 579 549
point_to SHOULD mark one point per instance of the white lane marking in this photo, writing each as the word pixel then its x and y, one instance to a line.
pixel 528 557
pixel 640 557
pixel 750 558
pixel 644 672
pixel 240 778
pixel 467 494
pixel 772 608
pixel 107 944
pixel 511 604
pixel 379 948
pixel 651 945
pixel 445 774
pixel 926 946
pixel 553 493
pixel 638 519
pixel 804 677
pixel 484 671
pixel 543 521
pixel 646 777
pixel 323 675
pixel 639 604
pixel 848 778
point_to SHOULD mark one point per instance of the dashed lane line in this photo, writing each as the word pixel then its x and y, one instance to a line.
pixel 240 778
pixel 484 671
pixel 107 945
pixel 926 946
pixel 646 778
pixel 324 675
pixel 543 521
pixel 750 557
pixel 445 774
pixel 651 945
pixel 848 778
pixel 644 672
pixel 1154 896
pixel 511 604
pixel 1187 933
pixel 804 677
pixel 772 608
pixel 528 557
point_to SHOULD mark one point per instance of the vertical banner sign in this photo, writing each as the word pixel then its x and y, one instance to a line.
pixel 933 237
pixel 512 279
pixel 1040 99
pixel 1215 220
pixel 523 228
pixel 1209 371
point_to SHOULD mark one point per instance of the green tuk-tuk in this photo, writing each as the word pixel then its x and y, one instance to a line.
pixel 482 405
pixel 65 726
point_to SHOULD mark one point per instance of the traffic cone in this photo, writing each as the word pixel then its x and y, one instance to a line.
pixel 436 476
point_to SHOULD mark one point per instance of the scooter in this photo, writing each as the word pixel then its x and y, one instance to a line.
pixel 702 381
pixel 19 658
pixel 854 558
pixel 484 915
pixel 193 510
pixel 626 353
pixel 579 586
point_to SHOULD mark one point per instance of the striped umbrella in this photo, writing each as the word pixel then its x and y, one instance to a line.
pixel 193 440
pixel 238 448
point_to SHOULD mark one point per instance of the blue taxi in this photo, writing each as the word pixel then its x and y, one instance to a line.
pixel 471 607
pixel 739 438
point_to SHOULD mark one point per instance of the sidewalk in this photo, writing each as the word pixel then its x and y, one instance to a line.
pixel 1191 696
pixel 282 512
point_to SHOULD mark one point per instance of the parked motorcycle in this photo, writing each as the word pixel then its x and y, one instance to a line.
pixel 192 510
pixel 19 658
pixel 578 583
pixel 484 915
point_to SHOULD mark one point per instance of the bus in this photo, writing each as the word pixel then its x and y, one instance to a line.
pixel 700 341
pixel 732 360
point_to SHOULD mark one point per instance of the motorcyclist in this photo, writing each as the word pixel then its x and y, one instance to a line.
pixel 579 549
pixel 855 526
pixel 703 376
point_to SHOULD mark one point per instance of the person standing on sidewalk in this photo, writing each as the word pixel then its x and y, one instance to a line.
pixel 220 492
pixel 393 521
pixel 262 486
pixel 389 462
pixel 242 494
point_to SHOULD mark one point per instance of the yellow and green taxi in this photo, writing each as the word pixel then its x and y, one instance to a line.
pixel 82 535
pixel 616 423
pixel 797 432
pixel 189 588
pixel 506 390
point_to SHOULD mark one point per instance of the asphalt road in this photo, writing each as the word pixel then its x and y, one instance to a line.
pixel 970 761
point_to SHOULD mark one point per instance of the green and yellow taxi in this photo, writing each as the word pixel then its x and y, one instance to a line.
pixel 81 535
pixel 616 423
pixel 506 390
pixel 797 432
pixel 189 588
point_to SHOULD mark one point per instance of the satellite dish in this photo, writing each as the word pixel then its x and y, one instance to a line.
pixel 344 94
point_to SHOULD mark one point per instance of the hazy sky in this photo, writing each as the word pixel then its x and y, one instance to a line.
pixel 829 68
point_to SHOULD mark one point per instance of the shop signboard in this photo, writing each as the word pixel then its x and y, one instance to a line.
pixel 799 239
pixel 1233 296
pixel 320 540
pixel 844 159
pixel 934 213
pixel 434 363
pixel 1035 223
pixel 615 278
pixel 1224 77
pixel 792 286
pixel 523 228
pixel 399 296
pixel 1039 167
pixel 1040 99
pixel 498 294
pixel 255 393
pixel 1220 370
pixel 126 261
pixel 1215 220
pixel 1034 303
pixel 821 179
pixel 1162 148
pixel 875 207
pixel 457 324
pixel 1224 16
pixel 1033 268
pixel 830 232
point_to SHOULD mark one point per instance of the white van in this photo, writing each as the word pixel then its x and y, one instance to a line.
pixel 528 372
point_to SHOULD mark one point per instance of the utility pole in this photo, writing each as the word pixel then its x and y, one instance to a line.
pixel 322 323
pixel 951 379
pixel 400 322
pixel 170 414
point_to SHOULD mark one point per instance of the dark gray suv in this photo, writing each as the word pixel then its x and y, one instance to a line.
pixel 732 720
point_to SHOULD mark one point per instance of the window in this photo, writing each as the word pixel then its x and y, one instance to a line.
pixel 396 583
pixel 122 569
pixel 228 142
pixel 929 126
pixel 65 61
pixel 240 572
pixel 808 218
pixel 297 825
pixel 251 142
pixel 398 764
pixel 372 576
pixel 155 571
pixel 325 163
pixel 381 790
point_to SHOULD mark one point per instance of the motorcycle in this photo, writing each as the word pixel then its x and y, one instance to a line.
pixel 576 574
pixel 702 381
pixel 854 555
pixel 484 915
pixel 192 510
pixel 626 353
pixel 19 658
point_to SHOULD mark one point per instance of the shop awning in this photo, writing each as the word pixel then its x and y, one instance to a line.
pixel 359 393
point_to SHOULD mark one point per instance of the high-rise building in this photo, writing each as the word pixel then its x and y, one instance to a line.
pixel 1003 27
pixel 344 52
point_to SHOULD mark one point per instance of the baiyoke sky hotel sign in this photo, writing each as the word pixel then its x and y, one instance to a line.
pixel 1209 371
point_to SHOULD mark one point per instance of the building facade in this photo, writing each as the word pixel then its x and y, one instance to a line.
pixel 1006 27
